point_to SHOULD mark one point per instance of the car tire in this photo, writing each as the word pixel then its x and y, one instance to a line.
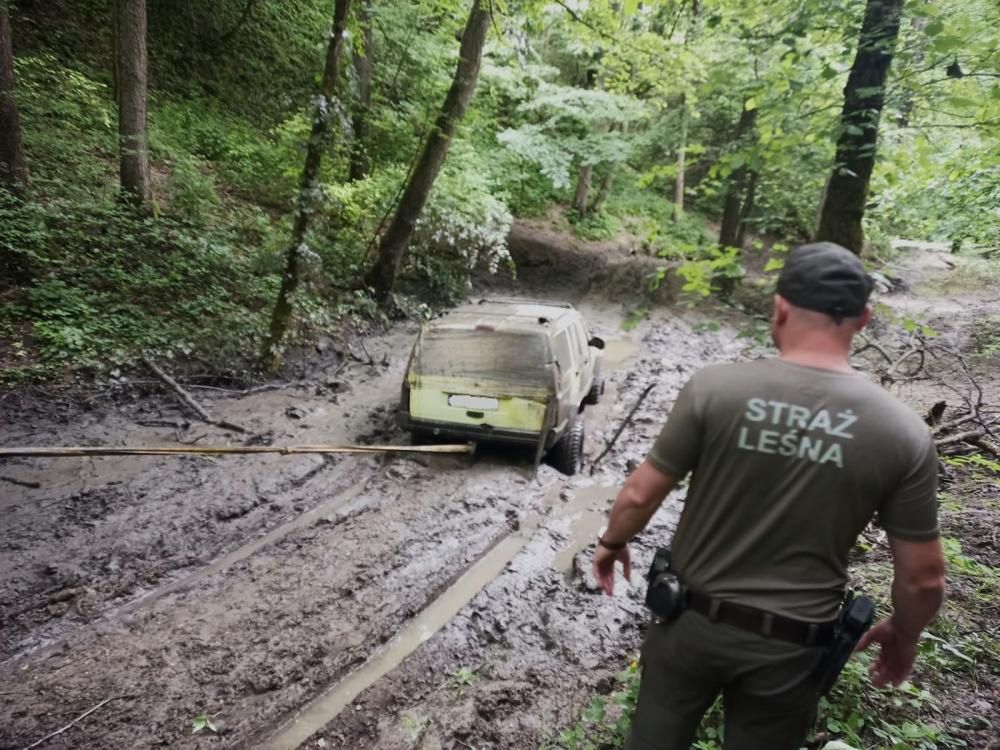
pixel 566 455
pixel 596 391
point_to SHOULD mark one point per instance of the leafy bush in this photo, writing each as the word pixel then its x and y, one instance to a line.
pixel 105 285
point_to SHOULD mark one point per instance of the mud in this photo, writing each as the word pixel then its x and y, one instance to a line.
pixel 357 602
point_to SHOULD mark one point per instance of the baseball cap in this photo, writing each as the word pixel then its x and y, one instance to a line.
pixel 827 278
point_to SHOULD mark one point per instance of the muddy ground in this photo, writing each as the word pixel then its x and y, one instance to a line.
pixel 356 602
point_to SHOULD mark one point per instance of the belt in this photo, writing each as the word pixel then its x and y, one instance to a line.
pixel 763 623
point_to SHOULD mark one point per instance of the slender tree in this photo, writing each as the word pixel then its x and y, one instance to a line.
pixel 360 161
pixel 309 190
pixel 681 161
pixel 737 187
pixel 843 205
pixel 132 64
pixel 13 172
pixel 747 210
pixel 392 249
pixel 581 195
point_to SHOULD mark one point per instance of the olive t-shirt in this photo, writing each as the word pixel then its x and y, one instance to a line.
pixel 789 464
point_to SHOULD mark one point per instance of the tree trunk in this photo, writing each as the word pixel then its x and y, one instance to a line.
pixel 582 194
pixel 846 191
pixel 605 189
pixel 13 172
pixel 747 209
pixel 392 249
pixel 681 158
pixel 309 191
pixel 731 212
pixel 133 66
pixel 360 160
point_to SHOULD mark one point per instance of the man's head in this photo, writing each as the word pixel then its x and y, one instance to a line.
pixel 822 297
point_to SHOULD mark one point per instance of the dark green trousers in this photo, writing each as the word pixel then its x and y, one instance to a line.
pixel 686 664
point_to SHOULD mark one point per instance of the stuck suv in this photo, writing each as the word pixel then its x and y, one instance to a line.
pixel 506 371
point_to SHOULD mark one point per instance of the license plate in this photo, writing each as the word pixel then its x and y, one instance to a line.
pixel 479 403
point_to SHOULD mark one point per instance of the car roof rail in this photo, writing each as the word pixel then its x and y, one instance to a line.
pixel 522 301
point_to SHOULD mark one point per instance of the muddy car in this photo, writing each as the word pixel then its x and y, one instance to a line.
pixel 506 371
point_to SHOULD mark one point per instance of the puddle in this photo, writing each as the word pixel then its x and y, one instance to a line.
pixel 618 351
pixel 588 507
pixel 585 505
pixel 439 613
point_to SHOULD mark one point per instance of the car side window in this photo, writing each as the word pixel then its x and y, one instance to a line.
pixel 564 355
pixel 577 342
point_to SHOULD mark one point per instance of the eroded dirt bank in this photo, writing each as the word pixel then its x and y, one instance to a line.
pixel 439 602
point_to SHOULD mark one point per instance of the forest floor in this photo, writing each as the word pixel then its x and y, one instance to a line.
pixel 365 601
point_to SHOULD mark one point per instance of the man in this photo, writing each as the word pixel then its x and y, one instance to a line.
pixel 790 459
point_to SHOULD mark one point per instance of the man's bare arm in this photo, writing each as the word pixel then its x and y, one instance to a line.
pixel 917 594
pixel 639 498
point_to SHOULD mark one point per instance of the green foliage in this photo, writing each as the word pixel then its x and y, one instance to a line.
pixel 605 721
pixel 595 226
pixel 203 722
pixel 107 285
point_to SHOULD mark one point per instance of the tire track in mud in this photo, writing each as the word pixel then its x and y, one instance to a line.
pixel 262 637
pixel 539 639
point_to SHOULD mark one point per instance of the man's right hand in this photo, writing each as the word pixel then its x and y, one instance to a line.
pixel 896 655
pixel 604 566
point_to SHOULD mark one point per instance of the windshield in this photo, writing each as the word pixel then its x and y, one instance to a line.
pixel 509 357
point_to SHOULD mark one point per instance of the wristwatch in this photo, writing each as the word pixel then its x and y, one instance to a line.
pixel 613 546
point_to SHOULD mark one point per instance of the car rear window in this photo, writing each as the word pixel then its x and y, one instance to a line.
pixel 485 355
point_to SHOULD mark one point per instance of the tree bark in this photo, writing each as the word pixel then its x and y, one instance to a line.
pixel 605 189
pixel 309 191
pixel 731 211
pixel 843 207
pixel 747 209
pixel 582 195
pixel 13 171
pixel 360 160
pixel 133 69
pixel 382 277
pixel 681 159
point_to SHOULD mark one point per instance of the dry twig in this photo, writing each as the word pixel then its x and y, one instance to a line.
pixel 75 721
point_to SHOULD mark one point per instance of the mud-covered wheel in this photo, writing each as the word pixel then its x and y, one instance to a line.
pixel 567 455
pixel 595 392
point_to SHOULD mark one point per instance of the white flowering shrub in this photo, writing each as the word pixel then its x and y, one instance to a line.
pixel 464 227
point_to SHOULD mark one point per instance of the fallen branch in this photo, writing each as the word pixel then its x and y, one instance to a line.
pixel 63 595
pixel 621 428
pixel 945 426
pixel 75 721
pixel 986 445
pixel 185 397
pixel 22 483
pixel 961 437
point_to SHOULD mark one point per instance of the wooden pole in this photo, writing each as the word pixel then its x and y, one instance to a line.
pixel 207 450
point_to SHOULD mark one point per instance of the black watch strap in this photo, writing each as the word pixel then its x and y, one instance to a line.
pixel 613 546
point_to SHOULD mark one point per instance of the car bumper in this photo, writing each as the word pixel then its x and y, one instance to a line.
pixel 476 433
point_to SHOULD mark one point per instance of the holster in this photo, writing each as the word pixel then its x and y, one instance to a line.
pixel 665 595
pixel 856 617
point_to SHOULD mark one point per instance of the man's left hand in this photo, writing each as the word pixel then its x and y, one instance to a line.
pixel 604 566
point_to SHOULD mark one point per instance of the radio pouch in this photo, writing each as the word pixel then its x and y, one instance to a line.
pixel 856 617
pixel 664 593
